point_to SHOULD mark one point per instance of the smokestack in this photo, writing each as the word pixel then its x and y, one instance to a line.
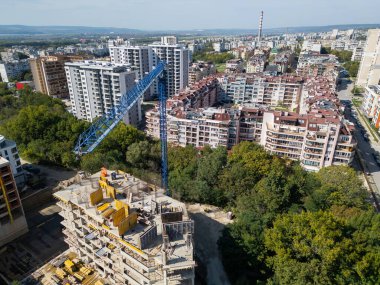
pixel 261 26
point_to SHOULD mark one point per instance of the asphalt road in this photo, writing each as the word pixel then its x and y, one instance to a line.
pixel 366 148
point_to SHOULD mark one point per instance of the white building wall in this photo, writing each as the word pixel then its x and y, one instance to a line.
pixel 8 150
pixel 369 70
pixel 96 88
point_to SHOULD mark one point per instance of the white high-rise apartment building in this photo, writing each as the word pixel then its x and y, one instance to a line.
pixel 177 59
pixel 139 58
pixel 96 88
pixel 144 58
pixel 369 71
pixel 8 150
pixel 13 69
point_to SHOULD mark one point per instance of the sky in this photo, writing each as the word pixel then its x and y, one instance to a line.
pixel 188 14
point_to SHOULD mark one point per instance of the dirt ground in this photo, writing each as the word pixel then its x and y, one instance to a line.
pixel 53 174
pixel 208 228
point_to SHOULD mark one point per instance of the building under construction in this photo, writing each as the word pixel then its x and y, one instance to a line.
pixel 12 219
pixel 128 231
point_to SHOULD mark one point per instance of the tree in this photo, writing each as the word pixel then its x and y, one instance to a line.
pixel 21 55
pixel 209 167
pixel 44 131
pixel 246 165
pixel 119 139
pixel 213 57
pixel 320 248
pixel 144 155
pixel 357 90
pixel 183 164
pixel 93 162
pixel 338 185
pixel 352 67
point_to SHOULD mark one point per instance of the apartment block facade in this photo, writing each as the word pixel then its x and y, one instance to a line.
pixel 49 74
pixel 177 58
pixel 144 58
pixel 12 70
pixel 369 70
pixel 311 64
pixel 371 104
pixel 12 218
pixel 318 139
pixel 259 90
pixel 200 70
pixel 318 136
pixel 96 88
pixel 139 58
pixel 128 232
pixel 256 64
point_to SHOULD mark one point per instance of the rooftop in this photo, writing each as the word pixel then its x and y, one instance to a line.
pixel 103 65
pixel 3 161
pixel 374 88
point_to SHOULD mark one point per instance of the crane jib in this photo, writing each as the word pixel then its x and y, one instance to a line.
pixel 93 136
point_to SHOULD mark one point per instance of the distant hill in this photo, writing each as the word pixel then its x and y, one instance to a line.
pixel 62 30
pixel 80 30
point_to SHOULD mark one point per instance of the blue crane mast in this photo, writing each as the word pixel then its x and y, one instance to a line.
pixel 95 134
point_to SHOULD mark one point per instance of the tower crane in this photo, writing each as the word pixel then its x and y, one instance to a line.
pixel 96 133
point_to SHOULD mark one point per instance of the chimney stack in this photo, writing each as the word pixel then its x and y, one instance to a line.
pixel 261 26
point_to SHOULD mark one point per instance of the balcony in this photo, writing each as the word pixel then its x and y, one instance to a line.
pixel 315 145
pixel 290 150
pixel 313 151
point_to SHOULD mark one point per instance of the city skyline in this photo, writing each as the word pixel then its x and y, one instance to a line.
pixel 170 14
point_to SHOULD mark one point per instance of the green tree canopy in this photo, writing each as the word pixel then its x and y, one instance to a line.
pixel 320 248
pixel 338 185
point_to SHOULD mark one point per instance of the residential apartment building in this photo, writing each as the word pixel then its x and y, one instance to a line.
pixel 139 58
pixel 260 90
pixel 311 46
pixel 96 88
pixel 318 139
pixel 202 94
pixel 371 100
pixel 318 89
pixel 12 70
pixel 127 231
pixel 369 70
pixel 12 218
pixel 284 61
pixel 357 54
pixel 234 66
pixel 371 104
pixel 318 136
pixel 199 70
pixel 9 151
pixel 9 55
pixel 219 46
pixel 311 64
pixel 177 57
pixel 144 58
pixel 256 63
pixel 198 128
pixel 49 74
